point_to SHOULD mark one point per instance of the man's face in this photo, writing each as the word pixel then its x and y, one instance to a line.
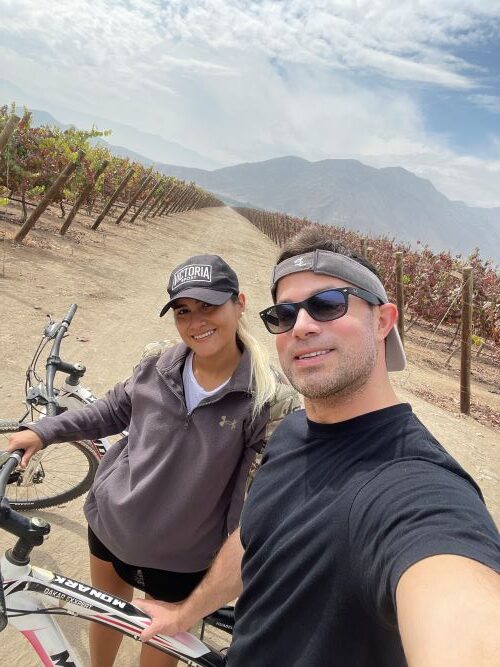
pixel 326 359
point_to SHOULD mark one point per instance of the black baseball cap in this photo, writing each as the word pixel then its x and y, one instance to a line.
pixel 207 278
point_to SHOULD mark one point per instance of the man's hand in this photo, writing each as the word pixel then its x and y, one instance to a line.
pixel 220 585
pixel 27 440
pixel 165 618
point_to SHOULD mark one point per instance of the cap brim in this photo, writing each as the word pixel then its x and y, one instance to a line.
pixel 395 357
pixel 213 297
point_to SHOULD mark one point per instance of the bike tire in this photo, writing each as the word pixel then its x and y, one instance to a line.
pixel 63 472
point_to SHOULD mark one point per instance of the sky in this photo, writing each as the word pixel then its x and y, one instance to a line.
pixel 389 82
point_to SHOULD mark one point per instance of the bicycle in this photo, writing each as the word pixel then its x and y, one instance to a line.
pixel 59 473
pixel 28 594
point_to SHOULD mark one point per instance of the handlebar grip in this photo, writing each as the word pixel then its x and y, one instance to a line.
pixel 70 313
pixel 8 462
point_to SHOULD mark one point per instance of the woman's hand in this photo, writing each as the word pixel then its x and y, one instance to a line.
pixel 27 440
pixel 165 618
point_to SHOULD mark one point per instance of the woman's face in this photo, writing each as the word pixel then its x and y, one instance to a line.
pixel 208 330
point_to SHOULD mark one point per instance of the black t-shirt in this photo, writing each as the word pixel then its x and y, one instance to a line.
pixel 334 517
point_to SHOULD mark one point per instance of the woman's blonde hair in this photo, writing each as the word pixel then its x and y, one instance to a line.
pixel 263 380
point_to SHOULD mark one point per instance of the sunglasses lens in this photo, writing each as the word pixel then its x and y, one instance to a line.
pixel 323 307
pixel 280 318
pixel 327 306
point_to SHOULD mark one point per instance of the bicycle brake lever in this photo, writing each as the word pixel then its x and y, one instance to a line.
pixel 37 395
pixel 51 329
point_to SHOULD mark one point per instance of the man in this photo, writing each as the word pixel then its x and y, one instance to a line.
pixel 365 543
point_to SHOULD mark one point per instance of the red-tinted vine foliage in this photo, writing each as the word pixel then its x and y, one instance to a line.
pixel 35 156
pixel 432 281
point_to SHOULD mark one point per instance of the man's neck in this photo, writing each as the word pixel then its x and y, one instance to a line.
pixel 349 404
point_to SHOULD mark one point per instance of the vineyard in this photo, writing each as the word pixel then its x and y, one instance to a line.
pixel 71 168
pixel 432 282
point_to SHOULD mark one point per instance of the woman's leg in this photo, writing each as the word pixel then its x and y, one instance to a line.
pixel 150 657
pixel 104 642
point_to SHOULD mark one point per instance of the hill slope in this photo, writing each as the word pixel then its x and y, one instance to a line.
pixel 390 201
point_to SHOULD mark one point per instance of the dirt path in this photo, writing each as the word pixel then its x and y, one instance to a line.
pixel 118 278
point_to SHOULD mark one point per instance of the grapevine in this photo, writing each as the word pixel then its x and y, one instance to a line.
pixel 432 281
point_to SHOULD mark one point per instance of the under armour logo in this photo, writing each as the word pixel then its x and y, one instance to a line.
pixel 225 421
pixel 300 262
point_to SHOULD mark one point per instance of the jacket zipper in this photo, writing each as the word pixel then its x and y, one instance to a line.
pixel 202 404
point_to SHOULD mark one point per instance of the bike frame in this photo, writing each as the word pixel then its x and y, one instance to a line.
pixel 30 593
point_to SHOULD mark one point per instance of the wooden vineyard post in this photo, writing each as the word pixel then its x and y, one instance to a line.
pixel 113 198
pixel 163 205
pixel 155 203
pixel 140 189
pixel 196 201
pixel 167 201
pixel 56 186
pixel 184 196
pixel 164 201
pixel 172 206
pixel 178 204
pixel 8 131
pixel 146 201
pixel 465 361
pixel 363 247
pixel 83 196
pixel 400 296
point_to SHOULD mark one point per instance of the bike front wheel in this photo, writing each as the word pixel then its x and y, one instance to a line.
pixel 55 475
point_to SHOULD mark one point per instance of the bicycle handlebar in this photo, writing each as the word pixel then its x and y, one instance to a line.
pixel 9 466
pixel 30 532
pixel 54 361
pixel 70 313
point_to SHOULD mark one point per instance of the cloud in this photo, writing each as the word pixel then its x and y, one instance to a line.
pixel 488 102
pixel 395 39
pixel 247 80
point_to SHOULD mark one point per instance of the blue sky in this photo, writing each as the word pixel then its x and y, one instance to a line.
pixel 384 81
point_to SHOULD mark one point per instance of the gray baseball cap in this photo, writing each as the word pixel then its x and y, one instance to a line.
pixel 345 268
pixel 207 278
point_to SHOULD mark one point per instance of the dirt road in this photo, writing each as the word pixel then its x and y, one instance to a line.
pixel 118 278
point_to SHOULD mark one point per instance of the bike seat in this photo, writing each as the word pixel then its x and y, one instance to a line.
pixel 222 618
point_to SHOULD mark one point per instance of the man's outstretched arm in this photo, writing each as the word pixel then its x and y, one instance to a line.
pixel 448 611
pixel 221 584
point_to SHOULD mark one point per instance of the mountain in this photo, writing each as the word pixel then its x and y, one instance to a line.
pixel 130 138
pixel 390 201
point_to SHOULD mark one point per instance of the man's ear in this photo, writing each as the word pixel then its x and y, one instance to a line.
pixel 388 317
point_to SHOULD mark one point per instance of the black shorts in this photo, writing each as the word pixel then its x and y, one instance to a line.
pixel 159 584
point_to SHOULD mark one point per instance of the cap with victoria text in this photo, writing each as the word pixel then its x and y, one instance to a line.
pixel 207 278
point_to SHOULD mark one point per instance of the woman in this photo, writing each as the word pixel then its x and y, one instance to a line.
pixel 165 498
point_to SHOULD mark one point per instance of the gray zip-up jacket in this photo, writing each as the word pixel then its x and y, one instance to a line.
pixel 168 497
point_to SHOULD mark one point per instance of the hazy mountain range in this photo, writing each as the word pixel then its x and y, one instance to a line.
pixel 390 201
pixel 155 147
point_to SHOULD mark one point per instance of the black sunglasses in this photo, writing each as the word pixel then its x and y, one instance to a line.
pixel 323 307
